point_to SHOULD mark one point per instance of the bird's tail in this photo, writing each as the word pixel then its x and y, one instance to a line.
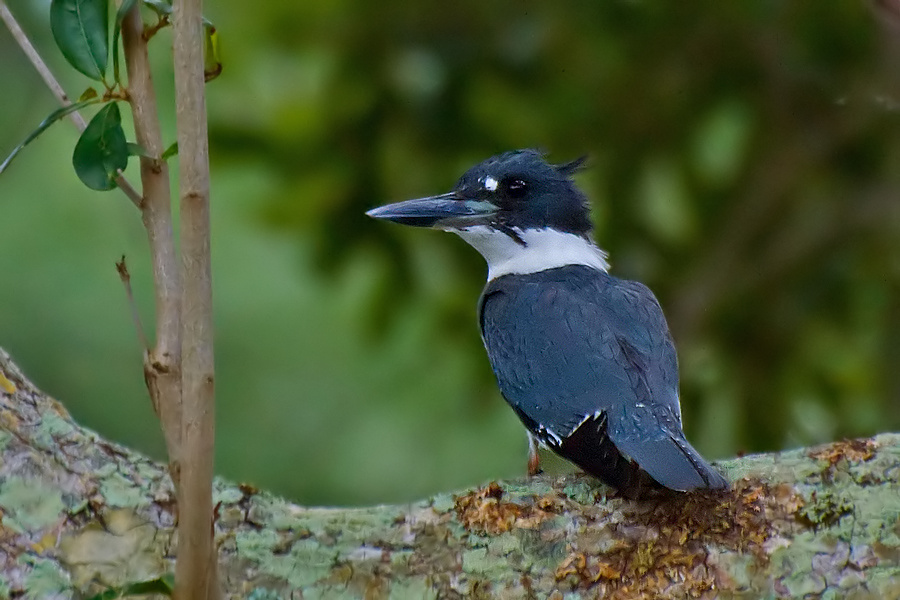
pixel 637 467
pixel 672 462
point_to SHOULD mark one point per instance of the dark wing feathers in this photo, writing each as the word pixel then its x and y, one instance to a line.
pixel 571 342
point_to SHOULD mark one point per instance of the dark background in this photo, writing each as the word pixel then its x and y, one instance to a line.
pixel 744 163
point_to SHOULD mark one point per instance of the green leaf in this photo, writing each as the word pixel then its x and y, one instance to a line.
pixel 52 118
pixel 126 6
pixel 169 152
pixel 137 150
pixel 110 594
pixel 212 67
pixel 101 150
pixel 88 94
pixel 161 585
pixel 81 30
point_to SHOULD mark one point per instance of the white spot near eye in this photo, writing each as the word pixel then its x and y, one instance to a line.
pixel 490 184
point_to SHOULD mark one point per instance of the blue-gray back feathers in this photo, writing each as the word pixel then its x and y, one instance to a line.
pixel 587 362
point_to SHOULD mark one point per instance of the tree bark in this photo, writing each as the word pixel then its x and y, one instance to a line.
pixel 195 571
pixel 80 513
pixel 162 362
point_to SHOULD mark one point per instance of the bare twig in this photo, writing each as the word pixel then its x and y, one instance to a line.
pixel 39 65
pixel 125 276
pixel 195 569
pixel 44 71
pixel 162 367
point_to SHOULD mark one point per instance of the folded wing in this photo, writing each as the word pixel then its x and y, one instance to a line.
pixel 587 362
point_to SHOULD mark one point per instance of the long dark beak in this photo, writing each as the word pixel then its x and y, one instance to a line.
pixel 447 210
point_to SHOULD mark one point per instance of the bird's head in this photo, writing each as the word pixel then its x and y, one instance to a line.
pixel 512 191
pixel 520 212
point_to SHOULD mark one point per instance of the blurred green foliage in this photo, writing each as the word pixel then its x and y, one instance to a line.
pixel 744 163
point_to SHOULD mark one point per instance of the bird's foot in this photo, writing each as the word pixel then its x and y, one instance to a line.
pixel 534 464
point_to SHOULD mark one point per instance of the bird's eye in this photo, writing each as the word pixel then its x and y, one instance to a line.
pixel 515 188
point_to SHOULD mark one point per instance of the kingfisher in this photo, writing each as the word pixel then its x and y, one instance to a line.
pixel 584 359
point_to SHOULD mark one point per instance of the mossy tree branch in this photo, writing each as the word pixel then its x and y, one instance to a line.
pixel 80 513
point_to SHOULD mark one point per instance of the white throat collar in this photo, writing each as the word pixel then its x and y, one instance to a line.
pixel 543 249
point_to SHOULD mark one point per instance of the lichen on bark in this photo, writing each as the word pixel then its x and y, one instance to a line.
pixel 80 513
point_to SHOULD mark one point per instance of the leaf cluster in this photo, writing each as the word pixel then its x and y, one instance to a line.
pixel 81 30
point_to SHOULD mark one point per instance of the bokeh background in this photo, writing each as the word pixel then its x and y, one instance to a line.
pixel 744 163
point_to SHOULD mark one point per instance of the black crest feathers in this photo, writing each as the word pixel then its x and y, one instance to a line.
pixel 570 168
